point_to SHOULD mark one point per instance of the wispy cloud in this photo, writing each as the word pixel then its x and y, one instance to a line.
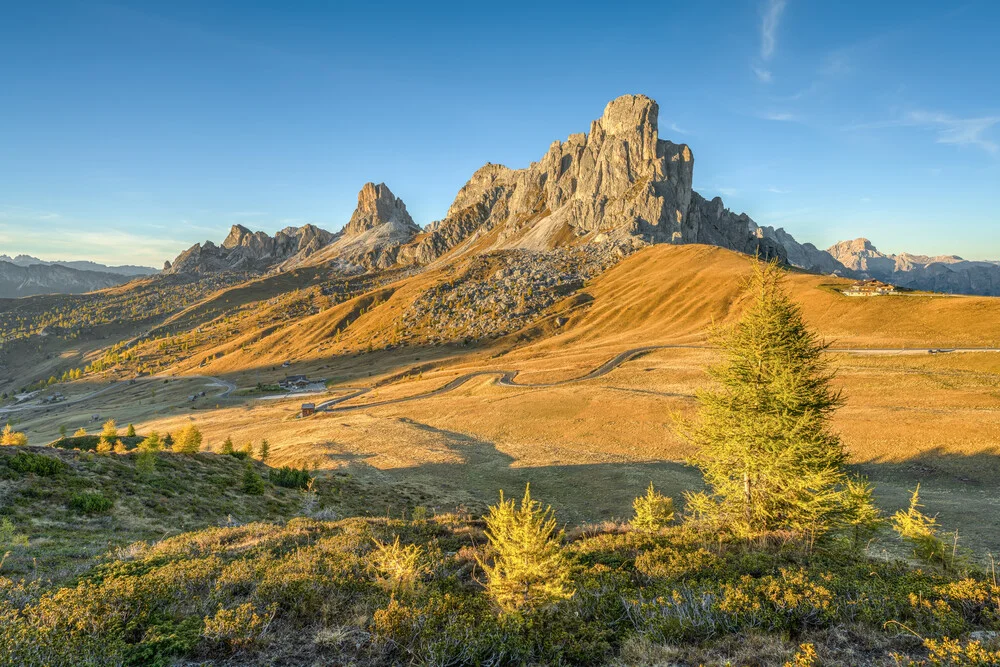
pixel 778 191
pixel 958 131
pixel 769 28
pixel 949 129
pixel 763 75
pixel 676 129
pixel 779 116
pixel 726 192
pixel 770 20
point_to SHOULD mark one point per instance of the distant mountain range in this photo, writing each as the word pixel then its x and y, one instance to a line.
pixel 81 265
pixel 17 281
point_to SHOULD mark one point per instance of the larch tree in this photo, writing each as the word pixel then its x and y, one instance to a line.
pixel 762 436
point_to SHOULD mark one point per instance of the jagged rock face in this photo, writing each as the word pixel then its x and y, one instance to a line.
pixel 17 281
pixel 244 250
pixel 619 183
pixel 945 273
pixel 378 206
pixel 379 226
pixel 804 255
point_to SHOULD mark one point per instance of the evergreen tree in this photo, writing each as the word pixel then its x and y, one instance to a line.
pixel 253 484
pixel 529 568
pixel 152 443
pixel 265 451
pixel 763 434
pixel 227 447
pixel 130 431
pixel 188 440
pixel 653 511
pixel 11 437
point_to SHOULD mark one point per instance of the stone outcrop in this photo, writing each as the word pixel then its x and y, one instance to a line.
pixel 244 250
pixel 619 184
pixel 943 273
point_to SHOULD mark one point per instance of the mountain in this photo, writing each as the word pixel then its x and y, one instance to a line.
pixel 82 265
pixel 943 273
pixel 371 239
pixel 614 189
pixel 618 185
pixel 17 281
pixel 244 250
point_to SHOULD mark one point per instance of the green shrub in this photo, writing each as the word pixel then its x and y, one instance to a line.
pixel 290 477
pixel 38 464
pixel 91 502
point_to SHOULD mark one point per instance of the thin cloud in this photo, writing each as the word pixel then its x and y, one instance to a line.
pixel 677 130
pixel 769 28
pixel 949 129
pixel 779 116
pixel 958 131
pixel 763 75
pixel 778 191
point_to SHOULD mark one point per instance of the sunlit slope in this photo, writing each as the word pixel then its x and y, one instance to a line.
pixel 663 295
pixel 672 294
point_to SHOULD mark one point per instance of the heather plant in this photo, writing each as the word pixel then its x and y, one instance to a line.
pixel 528 568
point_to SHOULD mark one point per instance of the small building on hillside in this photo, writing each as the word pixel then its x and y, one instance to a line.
pixel 870 288
pixel 295 382
pixel 308 409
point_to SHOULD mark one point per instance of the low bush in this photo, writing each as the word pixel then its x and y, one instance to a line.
pixel 290 477
pixel 91 502
pixel 37 464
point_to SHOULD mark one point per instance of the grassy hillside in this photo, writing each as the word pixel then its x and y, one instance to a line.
pixel 72 506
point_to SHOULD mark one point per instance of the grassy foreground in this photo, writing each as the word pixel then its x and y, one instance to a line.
pixel 313 592
pixel 374 591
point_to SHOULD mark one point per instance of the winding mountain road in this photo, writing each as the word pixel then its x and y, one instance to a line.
pixel 508 378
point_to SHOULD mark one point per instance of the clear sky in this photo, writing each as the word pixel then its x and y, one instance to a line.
pixel 131 130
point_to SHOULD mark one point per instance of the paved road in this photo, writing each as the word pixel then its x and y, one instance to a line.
pixel 229 388
pixel 508 378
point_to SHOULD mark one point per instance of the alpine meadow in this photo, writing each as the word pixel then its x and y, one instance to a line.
pixel 573 412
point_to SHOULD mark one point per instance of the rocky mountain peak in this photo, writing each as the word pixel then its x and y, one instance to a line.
pixel 237 234
pixel 618 185
pixel 631 116
pixel 378 206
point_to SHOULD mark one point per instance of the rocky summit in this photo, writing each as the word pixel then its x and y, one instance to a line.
pixel 244 250
pixel 617 184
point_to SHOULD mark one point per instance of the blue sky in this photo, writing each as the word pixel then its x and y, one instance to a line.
pixel 129 131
